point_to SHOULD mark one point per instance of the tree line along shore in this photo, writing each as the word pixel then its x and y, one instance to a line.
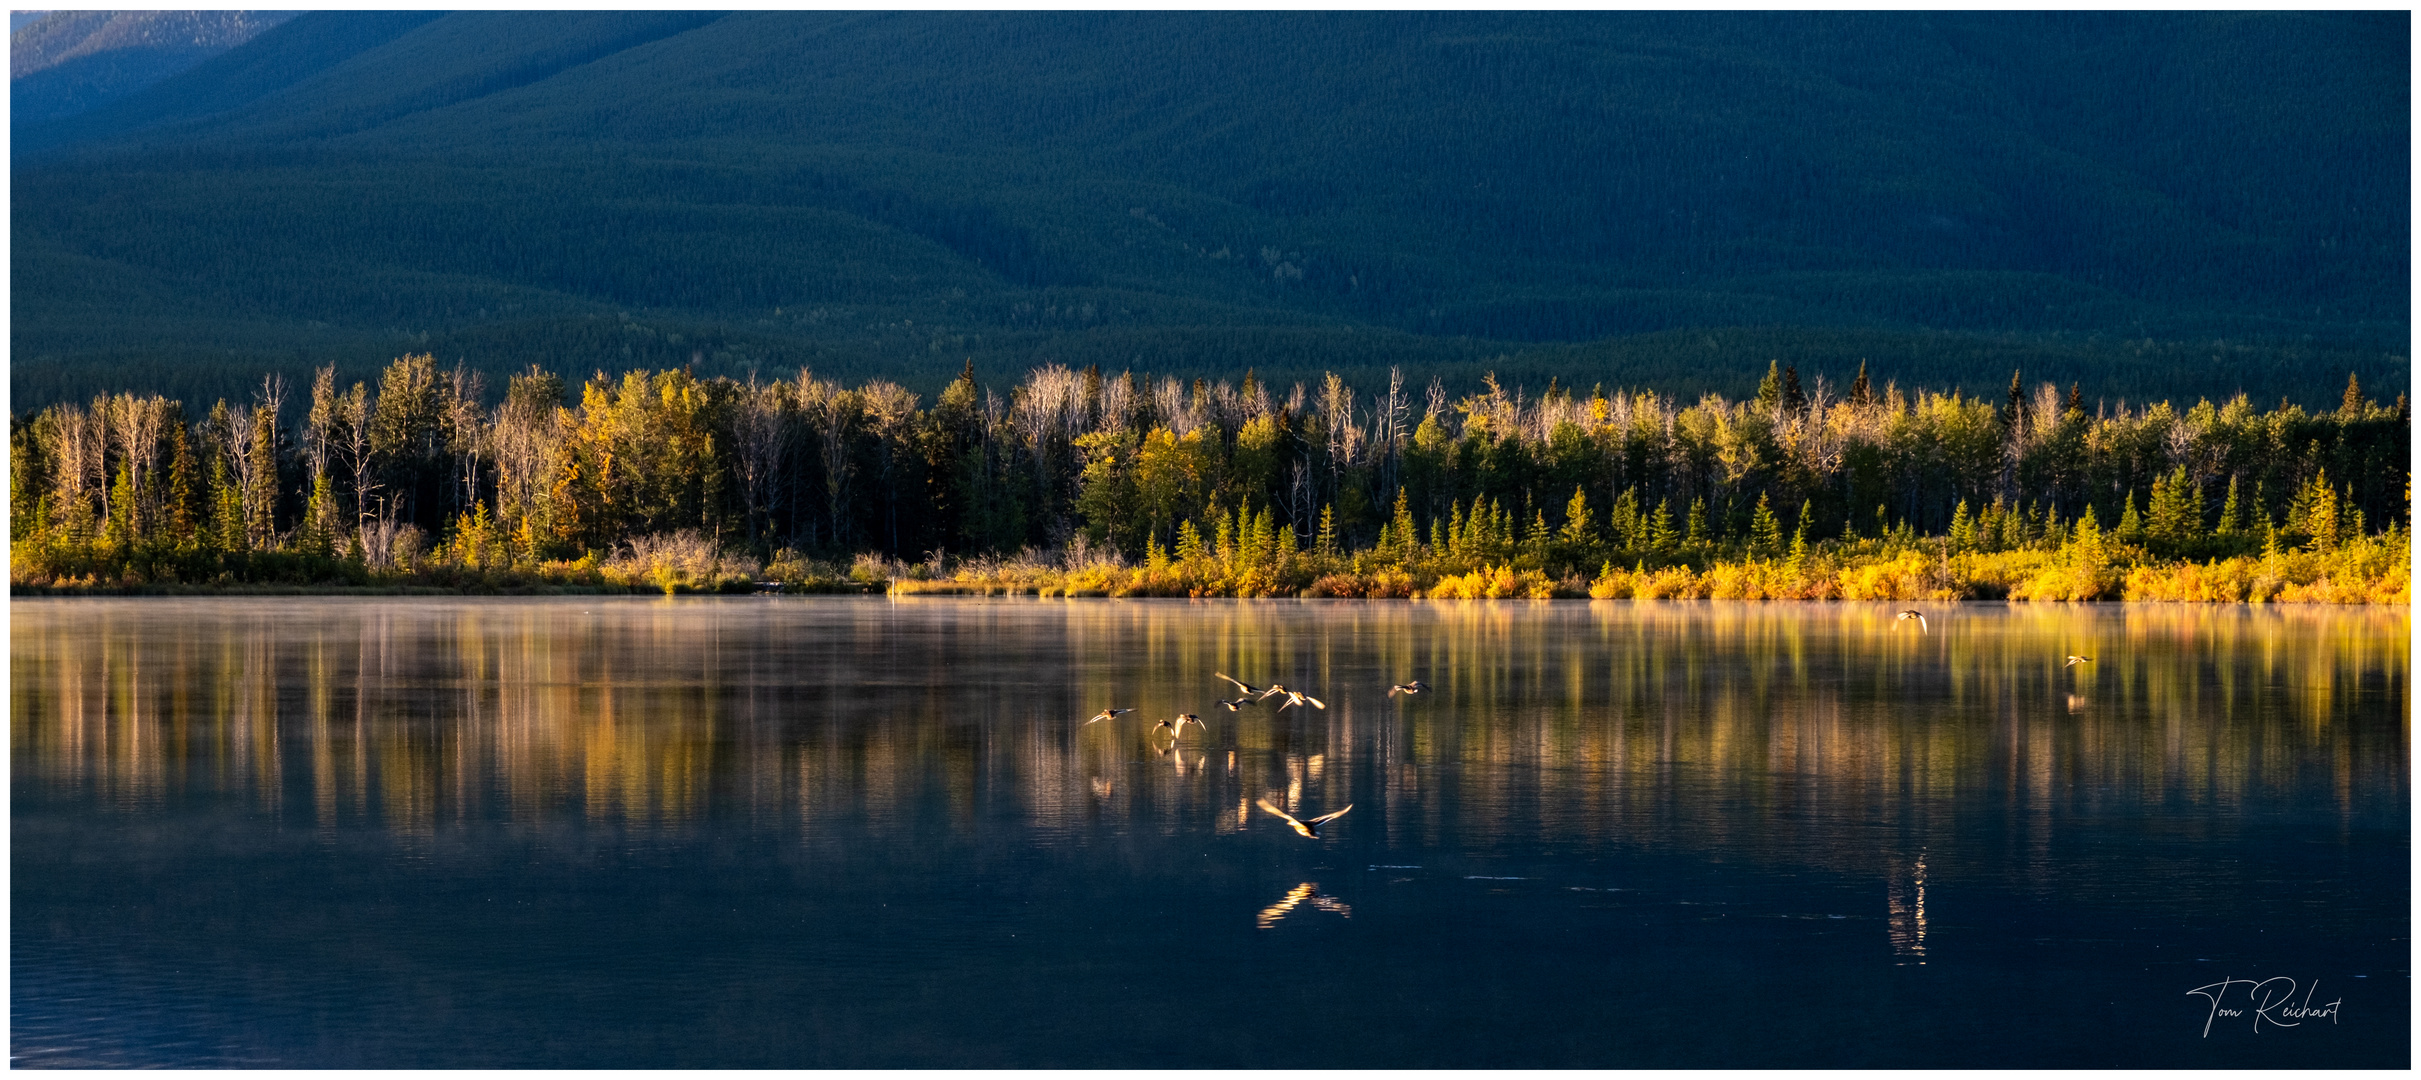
pixel 1078 483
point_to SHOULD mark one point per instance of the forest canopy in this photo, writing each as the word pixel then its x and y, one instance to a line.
pixel 336 481
pixel 2152 205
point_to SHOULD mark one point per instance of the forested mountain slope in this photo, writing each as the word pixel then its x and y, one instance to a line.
pixel 2148 204
pixel 65 62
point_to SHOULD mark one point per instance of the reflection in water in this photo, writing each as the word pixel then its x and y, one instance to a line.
pixel 1907 906
pixel 1567 717
pixel 1566 743
pixel 1307 891
pixel 1563 720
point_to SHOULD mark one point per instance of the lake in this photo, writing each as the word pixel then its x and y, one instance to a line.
pixel 851 832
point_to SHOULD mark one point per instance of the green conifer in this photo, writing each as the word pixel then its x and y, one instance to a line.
pixel 1765 531
pixel 1798 556
pixel 1579 532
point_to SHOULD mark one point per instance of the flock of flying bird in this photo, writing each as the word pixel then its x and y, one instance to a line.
pixel 1248 694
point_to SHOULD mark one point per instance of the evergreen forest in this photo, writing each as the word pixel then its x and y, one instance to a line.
pixel 659 478
pixel 2150 205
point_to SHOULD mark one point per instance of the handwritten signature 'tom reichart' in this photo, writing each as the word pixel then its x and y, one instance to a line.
pixel 2272 1000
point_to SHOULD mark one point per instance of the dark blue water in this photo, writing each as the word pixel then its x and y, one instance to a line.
pixel 863 833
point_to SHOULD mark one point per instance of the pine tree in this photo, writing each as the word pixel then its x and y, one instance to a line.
pixel 1407 535
pixel 1794 400
pixel 2130 524
pixel 1579 531
pixel 1798 557
pixel 1697 523
pixel 1325 545
pixel 2176 513
pixel 1962 528
pixel 2353 404
pixel 227 503
pixel 1769 392
pixel 2321 513
pixel 1265 536
pixel 184 489
pixel 118 530
pixel 2013 529
pixel 2085 547
pixel 1860 392
pixel 313 536
pixel 2014 416
pixel 1765 531
pixel 1624 521
pixel 2230 511
pixel 1660 528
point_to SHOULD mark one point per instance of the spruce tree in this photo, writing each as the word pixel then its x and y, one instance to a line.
pixel 1798 558
pixel 227 525
pixel 1579 531
pixel 184 488
pixel 1765 531
pixel 1535 544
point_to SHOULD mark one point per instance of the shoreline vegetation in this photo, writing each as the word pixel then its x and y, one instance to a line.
pixel 1072 484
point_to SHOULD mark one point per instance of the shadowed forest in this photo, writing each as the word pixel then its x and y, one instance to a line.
pixel 2150 205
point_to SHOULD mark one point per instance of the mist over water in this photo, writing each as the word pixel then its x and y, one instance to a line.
pixel 845 832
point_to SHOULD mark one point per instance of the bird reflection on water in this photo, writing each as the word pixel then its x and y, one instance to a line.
pixel 1907 907
pixel 1176 727
pixel 1295 897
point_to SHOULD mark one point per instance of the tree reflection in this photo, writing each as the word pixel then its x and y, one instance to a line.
pixel 1751 728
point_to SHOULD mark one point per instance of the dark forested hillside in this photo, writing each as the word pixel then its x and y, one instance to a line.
pixel 66 62
pixel 2153 205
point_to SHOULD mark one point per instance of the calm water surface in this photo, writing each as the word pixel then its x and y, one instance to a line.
pixel 811 832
